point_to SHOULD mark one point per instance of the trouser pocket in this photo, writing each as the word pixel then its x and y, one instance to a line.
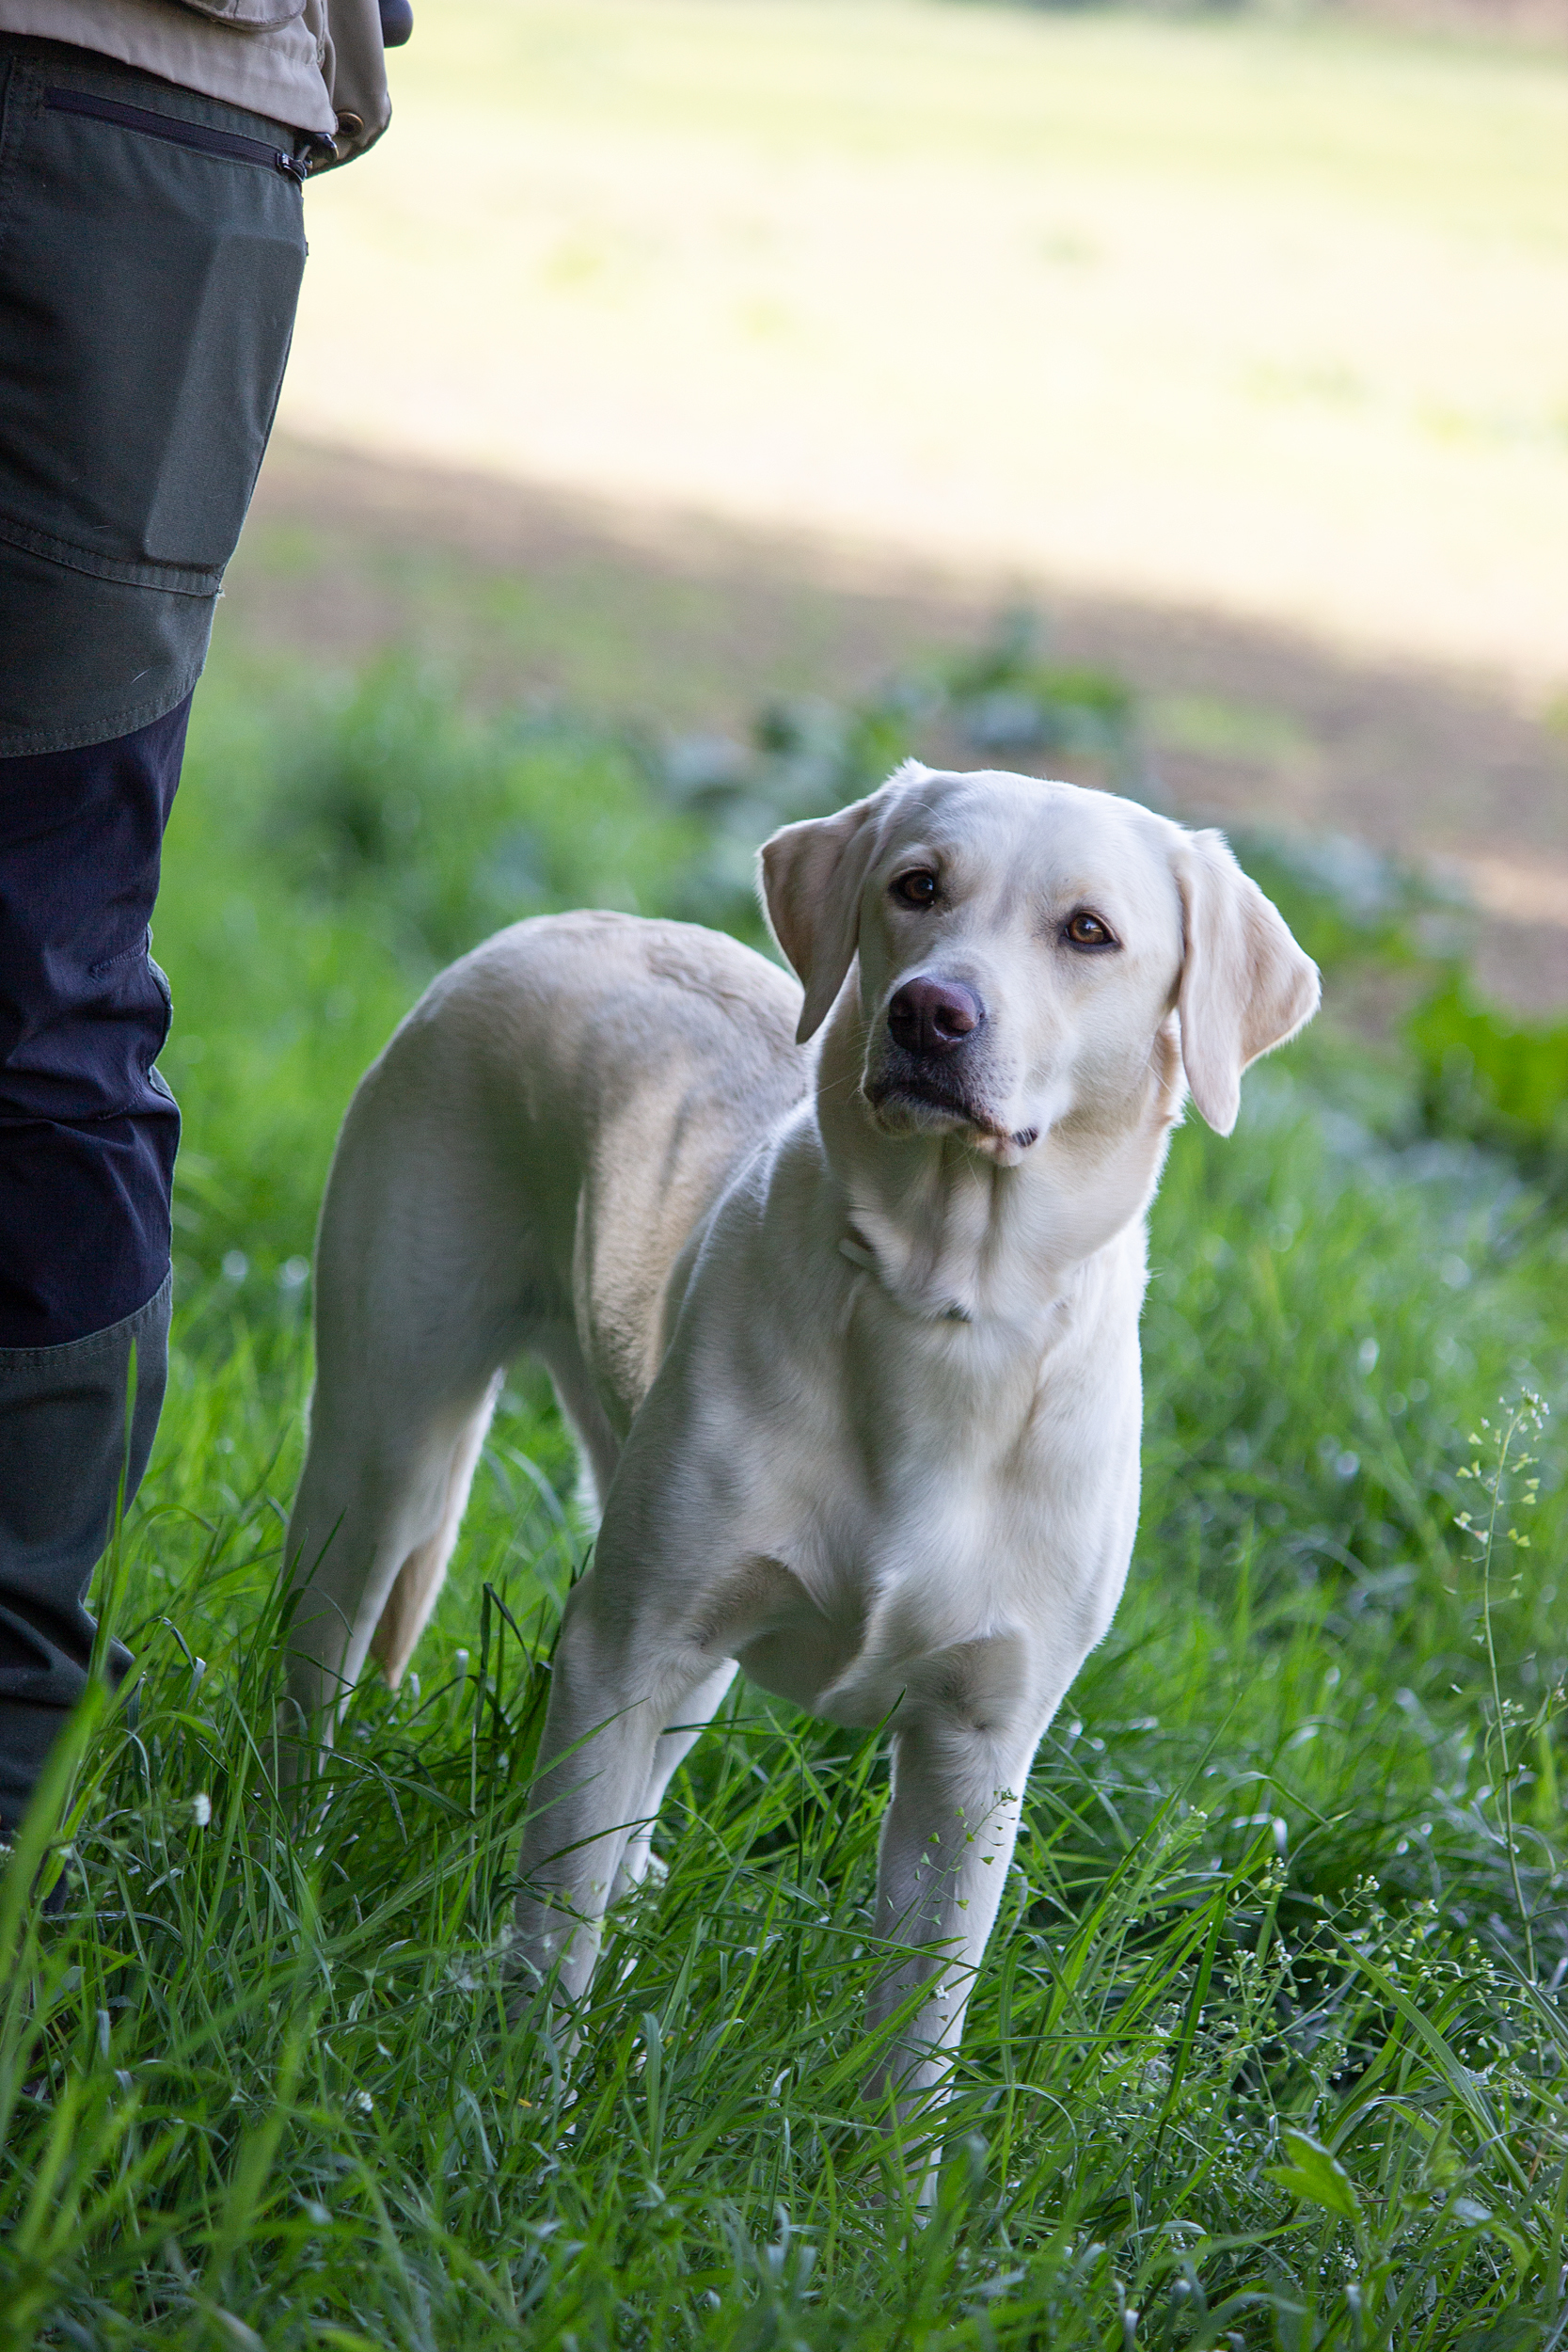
pixel 151 243
pixel 148 285
pixel 200 136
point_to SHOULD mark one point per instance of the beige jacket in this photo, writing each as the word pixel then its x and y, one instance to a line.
pixel 315 64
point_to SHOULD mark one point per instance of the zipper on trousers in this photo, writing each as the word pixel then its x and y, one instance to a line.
pixel 197 135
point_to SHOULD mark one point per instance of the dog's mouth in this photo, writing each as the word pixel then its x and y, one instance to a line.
pixel 911 1105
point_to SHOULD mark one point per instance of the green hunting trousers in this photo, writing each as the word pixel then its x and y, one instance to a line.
pixel 152 243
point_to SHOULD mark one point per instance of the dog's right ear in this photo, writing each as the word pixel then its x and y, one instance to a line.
pixel 812 877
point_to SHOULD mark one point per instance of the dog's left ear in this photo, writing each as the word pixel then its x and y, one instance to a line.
pixel 1245 985
pixel 813 874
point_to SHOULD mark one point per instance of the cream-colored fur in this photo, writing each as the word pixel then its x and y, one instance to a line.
pixel 848 1334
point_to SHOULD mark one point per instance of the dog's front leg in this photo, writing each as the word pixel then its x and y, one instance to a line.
pixel 674 1745
pixel 605 1756
pixel 946 1843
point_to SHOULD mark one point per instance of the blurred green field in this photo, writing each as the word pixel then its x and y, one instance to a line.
pixel 1264 313
pixel 1269 2051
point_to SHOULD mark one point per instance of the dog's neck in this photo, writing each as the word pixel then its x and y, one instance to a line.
pixel 953 1237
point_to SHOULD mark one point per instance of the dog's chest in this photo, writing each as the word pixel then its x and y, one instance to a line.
pixel 849 1493
pixel 914 1540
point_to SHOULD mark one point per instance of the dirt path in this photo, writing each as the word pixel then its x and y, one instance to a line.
pixel 644 611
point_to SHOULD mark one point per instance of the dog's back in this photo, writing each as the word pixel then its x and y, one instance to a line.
pixel 519 1172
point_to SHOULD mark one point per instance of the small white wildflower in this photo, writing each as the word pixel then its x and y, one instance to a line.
pixel 201 1810
pixel 361 2103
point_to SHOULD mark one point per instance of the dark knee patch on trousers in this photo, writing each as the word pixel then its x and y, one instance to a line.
pixel 88 1127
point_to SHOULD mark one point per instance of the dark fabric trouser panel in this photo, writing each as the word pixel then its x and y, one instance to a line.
pixel 66 1456
pixel 152 243
pixel 88 1127
pixel 87 1138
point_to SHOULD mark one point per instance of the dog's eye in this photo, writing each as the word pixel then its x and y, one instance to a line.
pixel 1086 931
pixel 918 888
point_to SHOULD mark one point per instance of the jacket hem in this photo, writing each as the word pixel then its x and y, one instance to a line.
pixel 25 742
pixel 272 76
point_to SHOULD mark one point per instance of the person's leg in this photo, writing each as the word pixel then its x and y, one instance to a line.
pixel 87 1138
pixel 148 273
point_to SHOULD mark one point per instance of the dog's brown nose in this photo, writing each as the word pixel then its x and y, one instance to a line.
pixel 933 1016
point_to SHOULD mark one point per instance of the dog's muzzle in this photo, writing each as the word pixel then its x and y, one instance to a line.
pixel 925 1079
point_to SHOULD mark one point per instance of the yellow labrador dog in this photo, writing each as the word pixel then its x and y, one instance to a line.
pixel 848 1335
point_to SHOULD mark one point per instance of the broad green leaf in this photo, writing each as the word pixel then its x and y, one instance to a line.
pixel 1314 2177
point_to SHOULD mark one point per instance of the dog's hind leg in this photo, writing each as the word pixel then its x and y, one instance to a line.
pixel 423 1297
pixel 418 1584
pixel 373 1529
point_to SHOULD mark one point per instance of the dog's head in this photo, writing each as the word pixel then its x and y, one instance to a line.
pixel 1022 950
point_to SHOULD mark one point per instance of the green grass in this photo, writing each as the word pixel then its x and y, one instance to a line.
pixel 1268 2049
